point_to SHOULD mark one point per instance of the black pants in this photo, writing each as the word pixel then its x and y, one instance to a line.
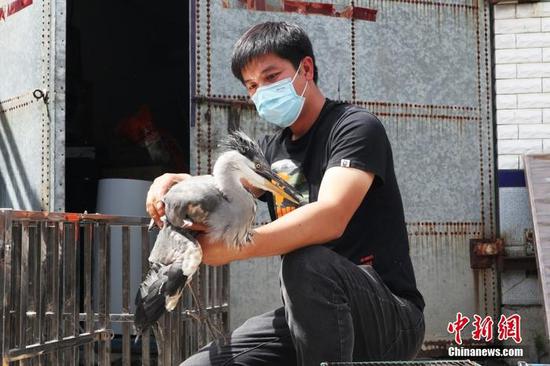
pixel 333 310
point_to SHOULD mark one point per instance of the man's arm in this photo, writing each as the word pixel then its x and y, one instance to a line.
pixel 342 191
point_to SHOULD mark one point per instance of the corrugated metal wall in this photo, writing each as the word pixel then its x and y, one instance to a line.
pixel 424 68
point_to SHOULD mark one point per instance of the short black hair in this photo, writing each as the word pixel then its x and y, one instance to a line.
pixel 285 40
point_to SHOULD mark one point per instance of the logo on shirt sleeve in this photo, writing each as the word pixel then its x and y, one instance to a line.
pixel 345 163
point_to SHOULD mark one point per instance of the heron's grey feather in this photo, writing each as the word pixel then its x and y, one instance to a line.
pixel 232 223
pixel 239 141
pixel 229 216
pixel 174 245
pixel 192 199
pixel 175 257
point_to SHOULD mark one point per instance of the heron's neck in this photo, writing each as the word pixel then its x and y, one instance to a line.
pixel 228 179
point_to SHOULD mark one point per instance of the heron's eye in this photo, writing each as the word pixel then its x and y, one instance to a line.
pixel 258 166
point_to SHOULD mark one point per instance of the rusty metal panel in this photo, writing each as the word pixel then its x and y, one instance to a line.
pixel 418 53
pixel 32 101
pixel 423 67
pixel 21 65
pixel 213 70
pixel 20 166
pixel 537 172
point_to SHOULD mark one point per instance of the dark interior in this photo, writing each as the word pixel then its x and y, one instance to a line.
pixel 127 93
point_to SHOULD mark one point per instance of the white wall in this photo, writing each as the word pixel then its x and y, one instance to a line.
pixel 522 71
pixel 522 68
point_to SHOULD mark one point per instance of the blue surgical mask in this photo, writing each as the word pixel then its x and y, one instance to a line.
pixel 278 103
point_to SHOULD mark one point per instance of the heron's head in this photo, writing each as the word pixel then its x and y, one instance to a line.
pixel 245 156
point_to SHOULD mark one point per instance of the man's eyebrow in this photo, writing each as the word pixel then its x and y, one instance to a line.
pixel 264 71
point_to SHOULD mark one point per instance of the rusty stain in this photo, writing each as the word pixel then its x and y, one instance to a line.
pixel 428 116
pixel 363 13
pixel 383 107
pixel 304 8
pixel 13 7
pixel 414 105
pixel 443 228
pixel 488 248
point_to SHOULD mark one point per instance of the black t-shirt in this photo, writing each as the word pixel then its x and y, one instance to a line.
pixel 349 136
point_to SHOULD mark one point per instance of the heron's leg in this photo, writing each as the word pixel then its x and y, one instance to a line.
pixel 338 311
pixel 215 332
pixel 261 340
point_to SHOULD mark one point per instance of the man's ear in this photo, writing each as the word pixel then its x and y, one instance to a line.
pixel 308 68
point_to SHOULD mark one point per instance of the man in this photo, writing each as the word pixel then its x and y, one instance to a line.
pixel 346 277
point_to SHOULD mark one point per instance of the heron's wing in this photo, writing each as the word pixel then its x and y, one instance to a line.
pixel 173 245
pixel 193 200
pixel 174 259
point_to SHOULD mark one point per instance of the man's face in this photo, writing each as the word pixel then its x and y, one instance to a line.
pixel 268 69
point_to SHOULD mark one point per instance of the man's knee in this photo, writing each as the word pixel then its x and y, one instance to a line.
pixel 301 268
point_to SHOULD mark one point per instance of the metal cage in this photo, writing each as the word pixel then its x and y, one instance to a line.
pixel 56 283
pixel 405 363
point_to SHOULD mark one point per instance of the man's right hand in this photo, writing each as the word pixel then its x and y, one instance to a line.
pixel 161 185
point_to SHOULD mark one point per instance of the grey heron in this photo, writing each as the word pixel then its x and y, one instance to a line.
pixel 220 202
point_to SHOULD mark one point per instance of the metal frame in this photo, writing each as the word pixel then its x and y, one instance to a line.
pixel 55 307
pixel 58 75
pixel 413 363
pixel 538 185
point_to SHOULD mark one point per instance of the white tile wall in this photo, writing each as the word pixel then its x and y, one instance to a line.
pixel 507 131
pixel 522 72
pixel 505 41
pixel 539 100
pixel 519 86
pixel 513 26
pixel 529 40
pixel 508 161
pixel 519 116
pixel 507 101
pixel 505 11
pixel 520 146
pixel 534 131
pixel 506 71
pixel 531 70
pixel 517 56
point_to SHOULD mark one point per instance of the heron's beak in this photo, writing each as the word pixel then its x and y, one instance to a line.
pixel 273 183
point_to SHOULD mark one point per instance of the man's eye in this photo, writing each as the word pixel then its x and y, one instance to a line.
pixel 271 77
